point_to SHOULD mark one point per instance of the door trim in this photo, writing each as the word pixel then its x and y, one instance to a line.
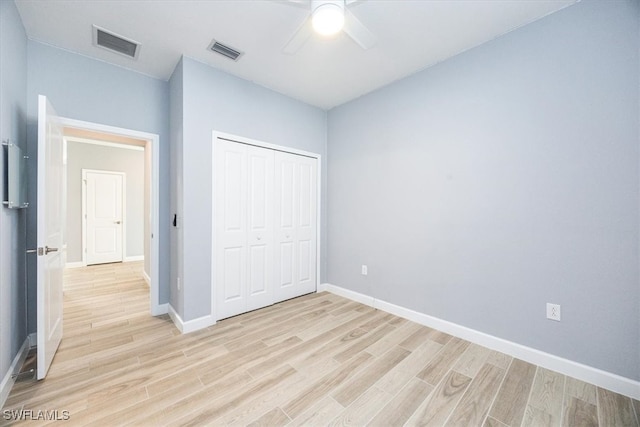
pixel 153 143
pixel 84 211
pixel 262 144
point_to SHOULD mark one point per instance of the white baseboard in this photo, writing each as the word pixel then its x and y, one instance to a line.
pixel 190 325
pixel 78 264
pixel 322 287
pixel 75 264
pixel 604 379
pixel 354 296
pixel 146 278
pixel 16 364
pixel 177 320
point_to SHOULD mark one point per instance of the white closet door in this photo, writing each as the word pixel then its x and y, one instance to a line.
pixel 230 211
pixel 296 221
pixel 243 246
pixel 260 225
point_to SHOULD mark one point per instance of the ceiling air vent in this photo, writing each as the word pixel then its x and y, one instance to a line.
pixel 115 43
pixel 224 50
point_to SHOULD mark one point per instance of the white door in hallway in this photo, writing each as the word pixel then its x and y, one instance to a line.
pixel 103 194
pixel 50 234
pixel 296 215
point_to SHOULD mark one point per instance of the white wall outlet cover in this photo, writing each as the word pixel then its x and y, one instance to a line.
pixel 553 311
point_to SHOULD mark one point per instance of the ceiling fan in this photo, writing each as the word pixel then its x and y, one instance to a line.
pixel 328 17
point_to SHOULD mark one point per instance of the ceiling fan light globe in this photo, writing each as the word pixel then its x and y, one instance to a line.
pixel 328 19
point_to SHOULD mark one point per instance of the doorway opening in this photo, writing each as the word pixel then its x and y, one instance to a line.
pixel 83 133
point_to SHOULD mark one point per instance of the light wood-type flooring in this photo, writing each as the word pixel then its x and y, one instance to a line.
pixel 315 360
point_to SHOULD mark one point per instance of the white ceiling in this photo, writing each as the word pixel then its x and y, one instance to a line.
pixel 412 35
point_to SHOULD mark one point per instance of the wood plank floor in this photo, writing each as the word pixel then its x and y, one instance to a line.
pixel 315 360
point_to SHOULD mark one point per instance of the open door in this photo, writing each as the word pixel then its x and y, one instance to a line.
pixel 51 195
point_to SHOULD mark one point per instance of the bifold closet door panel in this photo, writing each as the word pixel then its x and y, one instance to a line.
pixel 296 224
pixel 230 213
pixel 260 224
pixel 243 235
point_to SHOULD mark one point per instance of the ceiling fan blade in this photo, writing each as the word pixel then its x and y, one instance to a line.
pixel 357 31
pixel 299 38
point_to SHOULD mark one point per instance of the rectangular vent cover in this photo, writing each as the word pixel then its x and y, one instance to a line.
pixel 115 43
pixel 224 50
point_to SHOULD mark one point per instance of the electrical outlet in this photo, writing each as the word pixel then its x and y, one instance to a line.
pixel 179 283
pixel 553 311
pixel 364 270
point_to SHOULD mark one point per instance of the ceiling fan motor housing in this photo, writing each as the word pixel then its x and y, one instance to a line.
pixel 315 4
pixel 327 16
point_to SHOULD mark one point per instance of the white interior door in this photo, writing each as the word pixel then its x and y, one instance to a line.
pixel 103 213
pixel 50 234
pixel 296 225
pixel 243 246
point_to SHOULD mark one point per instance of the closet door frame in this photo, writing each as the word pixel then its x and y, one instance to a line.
pixel 216 135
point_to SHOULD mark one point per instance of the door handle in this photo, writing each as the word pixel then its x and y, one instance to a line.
pixel 116 222
pixel 42 251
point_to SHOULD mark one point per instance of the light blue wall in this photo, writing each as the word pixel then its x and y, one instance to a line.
pixel 85 89
pixel 13 111
pixel 507 177
pixel 214 100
